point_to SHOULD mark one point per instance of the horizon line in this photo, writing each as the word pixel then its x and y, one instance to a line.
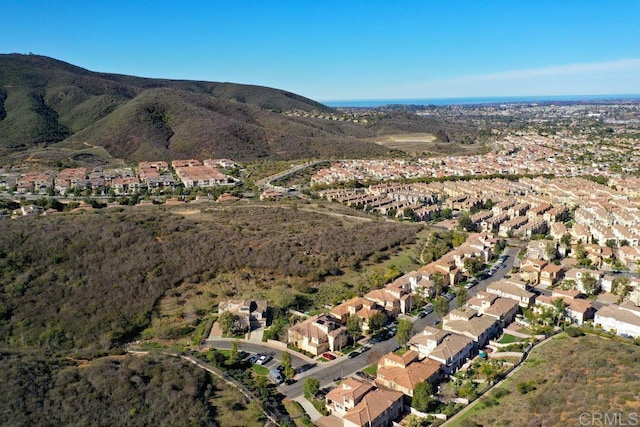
pixel 440 98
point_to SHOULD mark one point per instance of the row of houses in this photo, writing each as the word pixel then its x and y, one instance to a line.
pixel 520 208
pixel 150 175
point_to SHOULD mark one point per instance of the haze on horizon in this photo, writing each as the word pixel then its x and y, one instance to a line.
pixel 347 50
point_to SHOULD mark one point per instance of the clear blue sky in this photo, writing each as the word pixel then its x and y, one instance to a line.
pixel 336 50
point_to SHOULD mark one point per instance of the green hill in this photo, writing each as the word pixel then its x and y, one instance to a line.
pixel 51 110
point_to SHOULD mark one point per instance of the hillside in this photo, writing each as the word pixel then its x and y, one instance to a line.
pixel 58 273
pixel 51 110
pixel 563 379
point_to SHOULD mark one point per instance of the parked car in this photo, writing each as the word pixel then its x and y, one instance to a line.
pixel 354 354
pixel 365 348
pixel 422 314
pixel 449 296
pixel 255 358
pixel 263 359
pixel 328 356
pixel 428 308
pixel 305 368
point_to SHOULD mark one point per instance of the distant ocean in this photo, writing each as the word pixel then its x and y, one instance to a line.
pixel 472 101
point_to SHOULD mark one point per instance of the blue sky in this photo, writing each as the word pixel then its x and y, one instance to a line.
pixel 335 50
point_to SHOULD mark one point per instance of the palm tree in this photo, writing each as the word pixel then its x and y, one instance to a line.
pixel 559 306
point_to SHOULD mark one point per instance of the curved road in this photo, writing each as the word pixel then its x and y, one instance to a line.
pixel 344 366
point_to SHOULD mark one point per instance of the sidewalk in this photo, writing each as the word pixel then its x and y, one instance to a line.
pixel 309 408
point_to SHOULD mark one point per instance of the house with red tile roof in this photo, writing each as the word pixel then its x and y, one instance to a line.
pixel 378 408
pixel 346 396
pixel 317 335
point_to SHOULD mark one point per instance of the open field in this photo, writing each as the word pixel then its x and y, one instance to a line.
pixel 426 144
pixel 603 376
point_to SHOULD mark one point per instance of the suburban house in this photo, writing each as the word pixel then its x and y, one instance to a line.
pixel 317 335
pixel 392 299
pixel 252 313
pixel 361 307
pixel 446 267
pixel 479 328
pixel 427 340
pixel 403 373
pixel 623 319
pixel 577 310
pixel 531 269
pixel 452 352
pixel 551 274
pixel 629 256
pixel 346 396
pixel 578 275
pixel 504 310
pixel 513 290
pixel 377 408
pixel 419 283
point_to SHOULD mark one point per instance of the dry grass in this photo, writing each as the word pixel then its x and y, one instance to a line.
pixel 232 409
pixel 570 376
pixel 426 144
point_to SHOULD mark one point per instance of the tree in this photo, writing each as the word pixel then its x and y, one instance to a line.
pixel 354 327
pixel 422 396
pixel 473 265
pixel 226 321
pixel 377 321
pixel 461 296
pixel 559 306
pixel 446 213
pixel 282 297
pixel 416 421
pixel 550 250
pixel 289 372
pixel 441 306
pixel 611 243
pixel 438 283
pixel 581 252
pixel 589 284
pixel 566 239
pixel 488 370
pixel 408 213
pixel 465 223
pixel 405 330
pixel 311 387
pixel 458 239
pixel 234 356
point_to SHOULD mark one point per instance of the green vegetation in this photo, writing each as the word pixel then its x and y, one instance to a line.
pixel 52 109
pixel 260 370
pixel 311 387
pixel 509 339
pixel 132 259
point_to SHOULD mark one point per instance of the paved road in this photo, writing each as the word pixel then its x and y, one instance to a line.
pixel 296 361
pixel 344 366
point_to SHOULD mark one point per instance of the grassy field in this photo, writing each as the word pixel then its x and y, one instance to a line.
pixel 295 410
pixel 260 370
pixel 561 380
pixel 425 144
pixel 231 408
pixel 510 339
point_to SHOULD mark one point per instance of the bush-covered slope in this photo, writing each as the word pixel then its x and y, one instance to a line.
pixel 91 281
pixel 44 101
pixel 122 391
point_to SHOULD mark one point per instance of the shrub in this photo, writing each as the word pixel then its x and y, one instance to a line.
pixel 574 332
pixel 526 387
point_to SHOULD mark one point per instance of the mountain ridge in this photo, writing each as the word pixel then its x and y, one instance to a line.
pixel 58 108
